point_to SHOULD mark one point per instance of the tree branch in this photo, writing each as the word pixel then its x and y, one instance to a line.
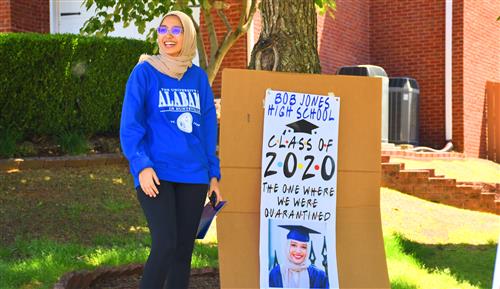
pixel 220 53
pixel 214 45
pixel 243 14
pixel 224 19
pixel 202 52
pixel 251 13
pixel 231 37
pixel 229 30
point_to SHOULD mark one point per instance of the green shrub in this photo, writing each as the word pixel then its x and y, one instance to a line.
pixel 73 143
pixel 26 149
pixel 56 83
pixel 8 141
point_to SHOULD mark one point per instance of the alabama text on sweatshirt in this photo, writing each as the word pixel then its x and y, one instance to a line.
pixel 170 125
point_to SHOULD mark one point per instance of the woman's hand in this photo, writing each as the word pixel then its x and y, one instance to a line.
pixel 147 180
pixel 214 187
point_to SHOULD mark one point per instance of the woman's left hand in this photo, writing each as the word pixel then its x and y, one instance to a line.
pixel 214 187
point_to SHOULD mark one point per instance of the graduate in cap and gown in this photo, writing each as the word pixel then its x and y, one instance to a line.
pixel 296 271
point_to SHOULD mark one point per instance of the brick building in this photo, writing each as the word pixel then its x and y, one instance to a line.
pixel 405 37
pixel 24 15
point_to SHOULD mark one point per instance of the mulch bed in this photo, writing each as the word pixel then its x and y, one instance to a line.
pixel 128 277
pixel 203 281
pixel 47 147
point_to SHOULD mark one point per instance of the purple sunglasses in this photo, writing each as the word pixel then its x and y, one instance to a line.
pixel 176 30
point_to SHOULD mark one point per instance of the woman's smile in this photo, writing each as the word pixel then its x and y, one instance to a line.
pixel 169 44
pixel 298 256
pixel 298 251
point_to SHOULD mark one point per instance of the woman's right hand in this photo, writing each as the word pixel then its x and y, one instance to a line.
pixel 147 180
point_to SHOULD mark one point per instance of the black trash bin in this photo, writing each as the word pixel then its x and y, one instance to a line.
pixel 404 96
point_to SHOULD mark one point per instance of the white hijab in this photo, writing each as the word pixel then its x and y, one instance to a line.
pixel 295 275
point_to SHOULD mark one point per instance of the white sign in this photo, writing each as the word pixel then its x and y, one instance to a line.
pixel 299 191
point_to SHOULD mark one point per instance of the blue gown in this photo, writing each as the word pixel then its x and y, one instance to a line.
pixel 317 278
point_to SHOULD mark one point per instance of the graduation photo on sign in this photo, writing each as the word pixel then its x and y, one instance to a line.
pixel 298 191
pixel 297 256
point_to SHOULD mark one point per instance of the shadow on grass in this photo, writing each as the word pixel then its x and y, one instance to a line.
pixel 40 263
pixel 471 263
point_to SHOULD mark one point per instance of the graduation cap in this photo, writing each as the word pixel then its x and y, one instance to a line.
pixel 302 126
pixel 299 233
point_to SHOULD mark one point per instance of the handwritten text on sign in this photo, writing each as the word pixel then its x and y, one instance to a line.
pixel 299 173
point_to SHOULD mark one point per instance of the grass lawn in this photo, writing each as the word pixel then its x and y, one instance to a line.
pixel 430 245
pixel 55 221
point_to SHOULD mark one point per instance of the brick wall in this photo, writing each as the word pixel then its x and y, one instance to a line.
pixel 481 51
pixel 4 16
pixel 457 75
pixel 344 40
pixel 237 55
pixel 30 15
pixel 407 39
pixel 257 25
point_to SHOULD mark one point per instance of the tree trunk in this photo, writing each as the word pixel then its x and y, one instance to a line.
pixel 288 41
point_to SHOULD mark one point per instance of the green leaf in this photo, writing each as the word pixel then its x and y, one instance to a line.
pixel 188 11
pixel 141 27
pixel 88 3
pixel 324 6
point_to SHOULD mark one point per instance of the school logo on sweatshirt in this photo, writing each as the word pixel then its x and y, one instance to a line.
pixel 179 100
pixel 185 122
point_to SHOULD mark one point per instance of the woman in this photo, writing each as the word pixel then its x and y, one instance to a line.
pixel 296 271
pixel 168 133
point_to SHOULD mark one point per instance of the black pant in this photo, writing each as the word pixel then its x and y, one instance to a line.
pixel 173 218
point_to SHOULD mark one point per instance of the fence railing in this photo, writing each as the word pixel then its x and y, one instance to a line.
pixel 493 102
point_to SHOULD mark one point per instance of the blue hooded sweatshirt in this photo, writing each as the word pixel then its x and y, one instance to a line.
pixel 170 125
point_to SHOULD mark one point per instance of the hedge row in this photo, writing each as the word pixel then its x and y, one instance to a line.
pixel 50 84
